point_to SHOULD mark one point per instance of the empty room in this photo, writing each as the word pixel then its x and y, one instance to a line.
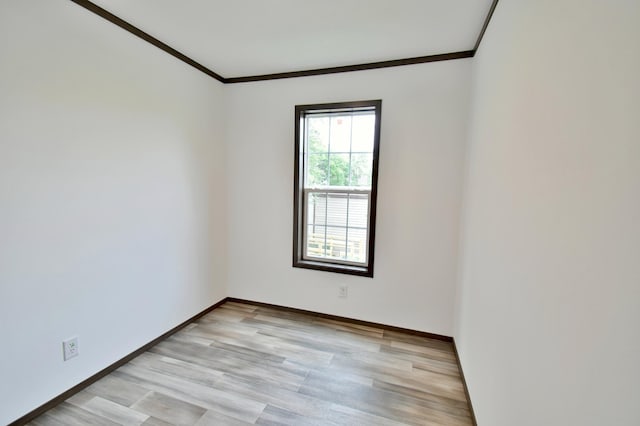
pixel 344 212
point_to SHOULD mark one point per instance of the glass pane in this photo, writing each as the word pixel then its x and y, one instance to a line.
pixel 336 242
pixel 357 245
pixel 362 134
pixel 361 168
pixel 315 241
pixel 358 210
pixel 339 169
pixel 340 133
pixel 337 210
pixel 318 137
pixel 317 170
pixel 316 209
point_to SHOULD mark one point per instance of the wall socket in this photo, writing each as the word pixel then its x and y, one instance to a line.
pixel 343 291
pixel 70 348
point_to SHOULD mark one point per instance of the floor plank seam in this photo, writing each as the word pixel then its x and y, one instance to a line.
pixel 246 364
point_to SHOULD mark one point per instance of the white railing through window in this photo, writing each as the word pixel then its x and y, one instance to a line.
pixel 335 224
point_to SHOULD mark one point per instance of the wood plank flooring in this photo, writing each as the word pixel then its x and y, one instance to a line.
pixel 248 365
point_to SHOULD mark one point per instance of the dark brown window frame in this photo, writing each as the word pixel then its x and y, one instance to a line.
pixel 298 188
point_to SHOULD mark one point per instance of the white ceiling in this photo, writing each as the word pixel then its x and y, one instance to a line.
pixel 237 38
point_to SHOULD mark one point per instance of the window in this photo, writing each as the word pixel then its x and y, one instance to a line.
pixel 335 187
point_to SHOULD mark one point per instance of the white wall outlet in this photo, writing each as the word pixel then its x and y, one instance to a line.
pixel 70 348
pixel 343 291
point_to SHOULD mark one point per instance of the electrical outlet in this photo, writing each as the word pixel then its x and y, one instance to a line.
pixel 70 348
pixel 343 291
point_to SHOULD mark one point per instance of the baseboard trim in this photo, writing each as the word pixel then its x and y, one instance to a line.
pixel 100 374
pixel 77 388
pixel 464 384
pixel 345 319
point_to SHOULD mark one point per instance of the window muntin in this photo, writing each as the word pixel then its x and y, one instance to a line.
pixel 336 174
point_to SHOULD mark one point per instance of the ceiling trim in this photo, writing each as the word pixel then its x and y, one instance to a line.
pixel 485 25
pixel 290 74
pixel 358 67
pixel 146 37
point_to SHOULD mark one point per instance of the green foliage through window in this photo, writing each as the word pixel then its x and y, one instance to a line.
pixel 336 169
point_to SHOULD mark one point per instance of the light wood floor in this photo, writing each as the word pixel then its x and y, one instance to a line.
pixel 242 364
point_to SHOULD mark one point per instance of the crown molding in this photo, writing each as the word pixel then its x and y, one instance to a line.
pixel 105 14
pixel 357 67
pixel 146 37
pixel 485 25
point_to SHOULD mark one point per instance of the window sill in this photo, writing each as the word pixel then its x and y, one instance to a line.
pixel 362 271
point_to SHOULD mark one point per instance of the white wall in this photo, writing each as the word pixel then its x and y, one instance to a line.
pixel 112 192
pixel 549 318
pixel 424 115
pixel 115 200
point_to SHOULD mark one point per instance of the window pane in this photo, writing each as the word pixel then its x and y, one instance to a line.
pixel 361 167
pixel 318 137
pixel 316 209
pixel 362 133
pixel 337 210
pixel 315 241
pixel 336 242
pixel 358 210
pixel 340 133
pixel 317 170
pixel 357 245
pixel 339 169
